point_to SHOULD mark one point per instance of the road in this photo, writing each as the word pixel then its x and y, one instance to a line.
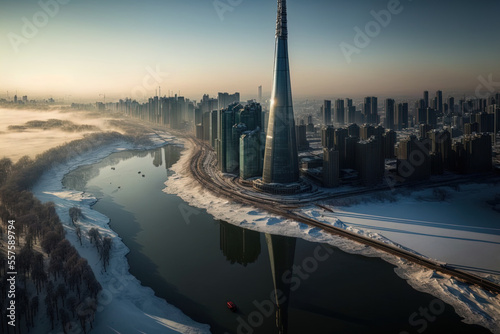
pixel 202 167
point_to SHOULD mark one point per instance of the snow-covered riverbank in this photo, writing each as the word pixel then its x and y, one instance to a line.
pixel 475 305
pixel 125 306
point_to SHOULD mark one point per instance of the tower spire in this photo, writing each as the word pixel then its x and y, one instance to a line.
pixel 281 21
pixel 280 157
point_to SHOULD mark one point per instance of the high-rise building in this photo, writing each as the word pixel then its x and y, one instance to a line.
pixel 207 121
pixel 439 102
pixel 353 130
pixel 401 115
pixel 470 128
pixel 214 127
pixel 339 113
pixel 424 130
pixel 422 115
pixel 199 131
pixel 441 147
pixel 226 118
pixel 451 105
pixel 326 112
pixel 413 162
pixel 300 133
pixel 233 148
pixel 370 110
pixel 478 153
pixel 366 131
pixel 426 99
pixel 389 113
pixel 281 163
pixel 331 170
pixel 259 99
pixel 369 161
pixel 486 121
pixel 350 152
pixel 251 116
pixel 389 139
pixel 431 117
pixel 310 124
pixel 340 136
pixel 225 99
pixel 350 115
pixel 328 137
pixel 252 145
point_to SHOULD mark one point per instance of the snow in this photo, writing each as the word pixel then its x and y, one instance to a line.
pixel 426 233
pixel 125 306
pixel 463 231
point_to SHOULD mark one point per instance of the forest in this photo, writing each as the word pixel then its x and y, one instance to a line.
pixel 53 282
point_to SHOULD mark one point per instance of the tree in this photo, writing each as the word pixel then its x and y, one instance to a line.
pixel 75 214
pixel 62 292
pixel 50 309
pixel 5 169
pixel 71 304
pixel 95 237
pixel 79 234
pixel 105 251
pixel 50 241
pixel 34 307
pixel 64 318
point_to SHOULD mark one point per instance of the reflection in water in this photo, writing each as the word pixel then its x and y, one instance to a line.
pixel 239 245
pixel 282 255
pixel 78 179
pixel 158 158
pixel 172 154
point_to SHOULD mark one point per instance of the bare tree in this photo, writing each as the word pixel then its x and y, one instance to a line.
pixel 79 234
pixel 75 214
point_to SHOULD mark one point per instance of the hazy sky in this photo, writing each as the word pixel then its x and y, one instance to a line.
pixel 92 47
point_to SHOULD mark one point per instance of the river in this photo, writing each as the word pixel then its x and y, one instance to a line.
pixel 279 284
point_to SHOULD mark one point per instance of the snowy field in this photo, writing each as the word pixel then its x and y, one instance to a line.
pixel 414 214
pixel 125 306
pixel 463 230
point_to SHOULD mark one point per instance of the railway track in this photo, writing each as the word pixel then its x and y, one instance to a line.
pixel 285 210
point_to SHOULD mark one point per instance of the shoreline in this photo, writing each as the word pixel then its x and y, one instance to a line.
pixel 182 185
pixel 124 303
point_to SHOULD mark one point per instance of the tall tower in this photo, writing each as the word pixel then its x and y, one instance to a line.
pixel 281 158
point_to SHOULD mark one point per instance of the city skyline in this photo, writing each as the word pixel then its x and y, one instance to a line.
pixel 127 49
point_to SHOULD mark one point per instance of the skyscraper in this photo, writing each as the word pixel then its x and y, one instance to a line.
pixel 326 112
pixel 451 104
pixel 281 158
pixel 339 111
pixel 260 94
pixel 439 101
pixel 401 115
pixel 426 99
pixel 370 110
pixel 389 113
